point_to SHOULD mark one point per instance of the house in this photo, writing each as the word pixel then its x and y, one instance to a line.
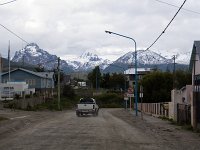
pixel 130 74
pixel 41 81
pixel 195 69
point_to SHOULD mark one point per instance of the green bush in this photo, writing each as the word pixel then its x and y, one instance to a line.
pixel 28 96
pixel 68 91
pixel 65 103
pixel 17 96
pixel 109 100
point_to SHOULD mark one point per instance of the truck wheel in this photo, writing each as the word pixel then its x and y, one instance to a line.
pixel 95 113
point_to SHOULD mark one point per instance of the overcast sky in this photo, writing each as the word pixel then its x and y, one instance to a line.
pixel 68 28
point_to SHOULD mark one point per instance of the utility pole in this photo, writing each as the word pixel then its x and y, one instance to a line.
pixel 174 72
pixel 9 67
pixel 96 80
pixel 58 83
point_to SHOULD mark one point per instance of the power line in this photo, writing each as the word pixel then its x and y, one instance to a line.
pixel 178 7
pixel 8 2
pixel 166 26
pixel 14 33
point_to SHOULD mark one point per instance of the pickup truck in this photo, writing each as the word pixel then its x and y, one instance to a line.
pixel 87 106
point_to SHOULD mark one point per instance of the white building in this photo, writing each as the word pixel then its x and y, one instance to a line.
pixel 130 74
pixel 10 89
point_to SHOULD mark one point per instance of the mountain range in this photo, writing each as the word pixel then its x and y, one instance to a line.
pixel 34 55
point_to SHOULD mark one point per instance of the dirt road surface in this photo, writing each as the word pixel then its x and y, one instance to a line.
pixel 113 129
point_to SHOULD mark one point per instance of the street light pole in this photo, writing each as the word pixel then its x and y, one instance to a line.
pixel 136 80
pixel 58 83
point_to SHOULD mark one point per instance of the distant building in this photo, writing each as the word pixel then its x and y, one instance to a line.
pixel 130 74
pixel 82 84
pixel 41 81
pixel 79 75
pixel 66 80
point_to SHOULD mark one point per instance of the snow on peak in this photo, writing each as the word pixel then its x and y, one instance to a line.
pixel 88 56
pixel 143 57
pixel 88 61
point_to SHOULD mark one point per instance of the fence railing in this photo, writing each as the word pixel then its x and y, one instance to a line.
pixel 24 103
pixel 157 109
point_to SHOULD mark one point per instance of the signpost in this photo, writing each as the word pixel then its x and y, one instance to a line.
pixel 130 94
pixel 141 96
pixel 126 99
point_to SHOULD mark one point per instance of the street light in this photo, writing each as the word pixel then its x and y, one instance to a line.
pixel 136 82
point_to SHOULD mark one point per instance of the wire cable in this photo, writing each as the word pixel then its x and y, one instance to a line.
pixel 166 26
pixel 14 33
pixel 178 7
pixel 8 2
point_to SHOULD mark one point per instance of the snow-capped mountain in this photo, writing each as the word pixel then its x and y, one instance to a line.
pixel 32 54
pixel 143 57
pixel 148 59
pixel 87 61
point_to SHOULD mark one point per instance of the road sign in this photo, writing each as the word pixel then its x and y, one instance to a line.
pixel 130 95
pixel 130 90
pixel 125 94
pixel 125 98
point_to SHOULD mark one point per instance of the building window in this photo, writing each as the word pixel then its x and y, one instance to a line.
pixel 30 81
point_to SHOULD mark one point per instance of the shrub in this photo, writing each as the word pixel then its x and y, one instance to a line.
pixel 68 91
pixel 28 96
pixel 17 96
pixel 110 100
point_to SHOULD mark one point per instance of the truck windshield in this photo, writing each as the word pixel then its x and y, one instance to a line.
pixel 87 100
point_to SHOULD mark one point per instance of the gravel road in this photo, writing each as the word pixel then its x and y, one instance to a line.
pixel 113 129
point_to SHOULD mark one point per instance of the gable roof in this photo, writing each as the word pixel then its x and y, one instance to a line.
pixel 48 75
pixel 195 50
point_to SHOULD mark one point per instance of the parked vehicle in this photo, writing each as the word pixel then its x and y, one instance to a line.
pixel 87 106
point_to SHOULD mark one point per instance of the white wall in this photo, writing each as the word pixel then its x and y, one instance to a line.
pixel 15 87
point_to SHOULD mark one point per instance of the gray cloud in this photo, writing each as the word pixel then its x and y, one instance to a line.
pixel 68 27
